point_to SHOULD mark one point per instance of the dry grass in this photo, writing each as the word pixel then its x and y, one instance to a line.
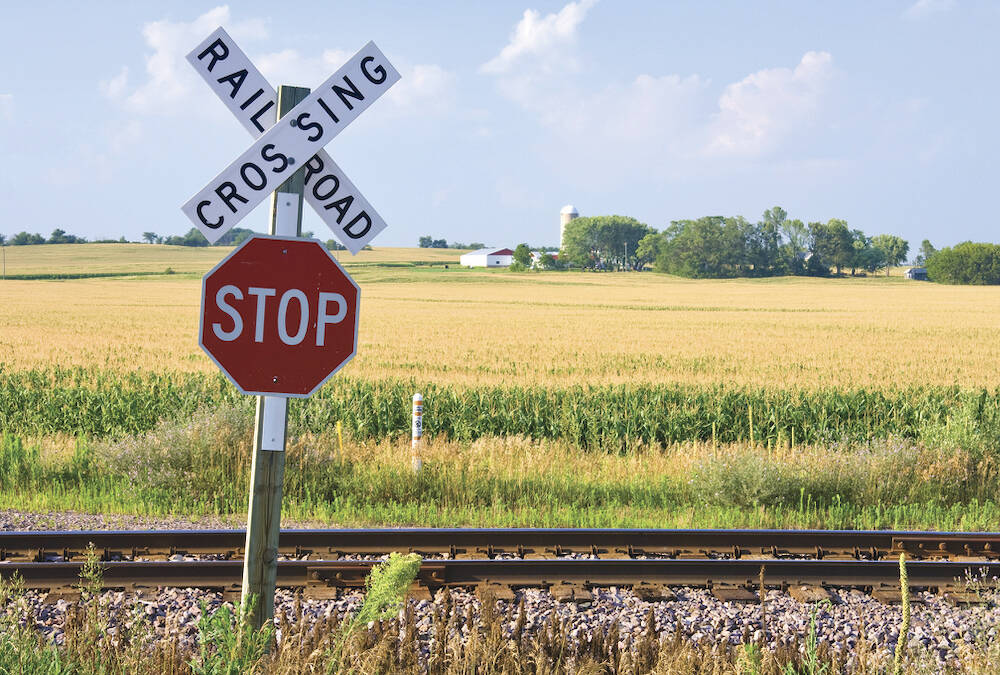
pixel 145 258
pixel 462 327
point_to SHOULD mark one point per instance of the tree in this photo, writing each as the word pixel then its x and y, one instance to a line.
pixel 439 243
pixel 703 248
pixel 3 240
pixel 26 239
pixel 895 249
pixel 603 242
pixel 832 242
pixel 192 238
pixel 547 261
pixel 796 245
pixel 926 251
pixel 150 237
pixel 426 241
pixel 334 245
pixel 966 263
pixel 522 255
pixel 60 237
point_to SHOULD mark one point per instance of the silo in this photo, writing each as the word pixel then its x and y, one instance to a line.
pixel 567 214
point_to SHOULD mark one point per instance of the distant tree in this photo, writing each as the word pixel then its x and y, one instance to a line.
pixel 926 251
pixel 192 238
pixel 425 242
pixel 475 246
pixel 233 237
pixel 522 254
pixel 60 237
pixel 603 242
pixel 3 240
pixel 966 263
pixel 150 237
pixel 334 245
pixel 709 247
pixel 894 247
pixel 439 243
pixel 796 246
pixel 549 262
pixel 26 239
pixel 832 242
pixel 648 249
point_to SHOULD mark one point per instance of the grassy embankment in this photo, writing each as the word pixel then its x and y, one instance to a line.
pixel 552 399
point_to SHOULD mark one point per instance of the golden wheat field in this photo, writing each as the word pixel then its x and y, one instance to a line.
pixel 557 328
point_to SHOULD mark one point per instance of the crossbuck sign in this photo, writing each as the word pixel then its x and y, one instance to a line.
pixel 295 141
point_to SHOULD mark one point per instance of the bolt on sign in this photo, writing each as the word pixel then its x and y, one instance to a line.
pixel 296 141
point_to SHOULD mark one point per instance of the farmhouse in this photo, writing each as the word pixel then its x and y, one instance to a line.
pixel 918 273
pixel 488 257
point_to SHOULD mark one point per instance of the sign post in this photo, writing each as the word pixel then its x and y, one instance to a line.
pixel 267 472
pixel 279 315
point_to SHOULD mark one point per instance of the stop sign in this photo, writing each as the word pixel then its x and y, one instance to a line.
pixel 279 316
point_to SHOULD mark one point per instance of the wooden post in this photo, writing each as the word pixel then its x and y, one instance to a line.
pixel 260 562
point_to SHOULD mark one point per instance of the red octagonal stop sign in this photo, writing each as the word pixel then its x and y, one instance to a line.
pixel 279 316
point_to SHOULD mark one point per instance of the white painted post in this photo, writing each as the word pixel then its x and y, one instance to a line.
pixel 418 432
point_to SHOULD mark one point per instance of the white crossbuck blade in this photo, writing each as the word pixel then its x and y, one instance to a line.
pixel 282 148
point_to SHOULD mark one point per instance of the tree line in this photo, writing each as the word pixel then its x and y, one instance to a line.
pixel 721 247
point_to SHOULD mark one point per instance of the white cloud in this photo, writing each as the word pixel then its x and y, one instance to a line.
pixel 115 87
pixel 924 8
pixel 652 122
pixel 171 81
pixel 423 88
pixel 6 106
pixel 758 112
pixel 290 66
pixel 541 39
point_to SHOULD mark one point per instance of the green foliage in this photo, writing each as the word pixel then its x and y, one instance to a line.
pixel 228 644
pixel 19 464
pixel 22 650
pixel 603 242
pixel 926 251
pixel 60 237
pixel 26 239
pixel 95 403
pixel 833 243
pixel 966 263
pixel 894 248
pixel 192 238
pixel 233 237
pixel 522 255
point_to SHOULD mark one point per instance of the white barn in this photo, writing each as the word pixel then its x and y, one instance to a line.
pixel 488 257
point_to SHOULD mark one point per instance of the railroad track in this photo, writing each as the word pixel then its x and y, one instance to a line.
pixel 570 563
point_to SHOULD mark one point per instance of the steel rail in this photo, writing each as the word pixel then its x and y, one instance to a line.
pixel 522 543
pixel 226 575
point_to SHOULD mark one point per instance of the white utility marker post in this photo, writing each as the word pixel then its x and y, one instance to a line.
pixel 418 432
pixel 267 473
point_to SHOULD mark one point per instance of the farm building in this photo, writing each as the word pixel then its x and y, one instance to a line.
pixel 918 273
pixel 488 257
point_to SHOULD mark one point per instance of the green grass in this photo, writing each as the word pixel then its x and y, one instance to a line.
pixel 198 466
pixel 96 403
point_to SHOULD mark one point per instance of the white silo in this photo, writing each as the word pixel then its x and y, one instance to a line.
pixel 567 214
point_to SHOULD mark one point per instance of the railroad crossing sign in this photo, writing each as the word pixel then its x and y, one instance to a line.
pixel 279 316
pixel 296 141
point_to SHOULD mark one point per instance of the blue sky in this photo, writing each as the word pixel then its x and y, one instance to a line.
pixel 884 114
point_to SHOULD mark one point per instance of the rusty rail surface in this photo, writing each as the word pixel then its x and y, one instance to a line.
pixel 329 577
pixel 520 543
